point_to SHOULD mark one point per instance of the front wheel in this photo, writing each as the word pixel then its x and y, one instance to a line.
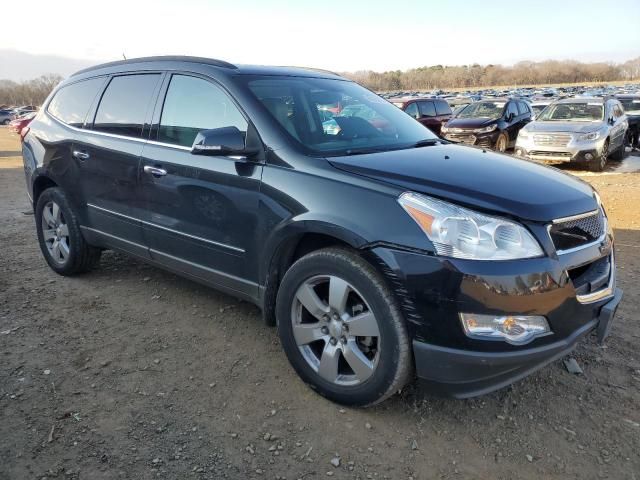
pixel 342 329
pixel 598 164
pixel 502 142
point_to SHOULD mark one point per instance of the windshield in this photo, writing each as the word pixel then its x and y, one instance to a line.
pixel 573 112
pixel 482 110
pixel 537 108
pixel 631 105
pixel 359 121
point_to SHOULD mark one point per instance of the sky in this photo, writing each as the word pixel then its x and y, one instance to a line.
pixel 342 35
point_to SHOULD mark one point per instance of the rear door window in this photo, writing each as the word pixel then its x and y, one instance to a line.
pixel 412 110
pixel 522 108
pixel 193 104
pixel 427 109
pixel 125 103
pixel 71 103
pixel 443 108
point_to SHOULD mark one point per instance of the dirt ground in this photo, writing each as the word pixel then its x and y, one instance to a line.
pixel 131 372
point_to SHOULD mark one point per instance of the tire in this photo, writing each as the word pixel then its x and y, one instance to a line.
pixel 598 164
pixel 502 143
pixel 366 369
pixel 62 244
pixel 6 122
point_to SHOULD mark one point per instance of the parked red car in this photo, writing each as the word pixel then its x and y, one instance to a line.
pixel 18 124
pixel 431 112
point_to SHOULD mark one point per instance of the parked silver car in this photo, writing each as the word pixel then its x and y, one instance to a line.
pixel 585 130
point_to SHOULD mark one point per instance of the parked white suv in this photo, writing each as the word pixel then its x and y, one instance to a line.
pixel 587 130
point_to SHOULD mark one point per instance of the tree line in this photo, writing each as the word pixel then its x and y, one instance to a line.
pixel 521 74
pixel 30 92
pixel 34 92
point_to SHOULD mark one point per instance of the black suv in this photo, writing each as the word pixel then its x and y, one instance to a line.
pixel 491 123
pixel 376 247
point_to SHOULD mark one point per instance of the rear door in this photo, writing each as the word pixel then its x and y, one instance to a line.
pixel 200 212
pixel 428 115
pixel 109 155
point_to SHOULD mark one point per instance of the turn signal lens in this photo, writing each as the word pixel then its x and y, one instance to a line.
pixel 423 219
pixel 513 329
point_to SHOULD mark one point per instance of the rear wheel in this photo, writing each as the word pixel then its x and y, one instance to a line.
pixel 61 241
pixel 502 142
pixel 6 122
pixel 342 329
pixel 598 164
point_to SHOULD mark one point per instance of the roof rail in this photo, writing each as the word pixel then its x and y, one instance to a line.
pixel 160 58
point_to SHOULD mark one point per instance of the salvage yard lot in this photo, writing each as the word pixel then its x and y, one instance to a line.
pixel 132 372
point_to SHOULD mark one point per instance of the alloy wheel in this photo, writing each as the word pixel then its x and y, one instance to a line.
pixel 55 232
pixel 335 330
pixel 501 145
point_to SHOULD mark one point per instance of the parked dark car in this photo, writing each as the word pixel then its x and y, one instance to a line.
pixel 631 105
pixel 377 252
pixel 431 112
pixel 491 123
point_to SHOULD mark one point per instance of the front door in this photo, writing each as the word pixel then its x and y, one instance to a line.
pixel 200 212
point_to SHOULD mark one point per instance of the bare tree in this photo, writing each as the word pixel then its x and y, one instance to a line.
pixel 522 73
pixel 31 92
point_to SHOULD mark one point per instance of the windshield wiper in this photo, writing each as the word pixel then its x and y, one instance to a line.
pixel 427 142
pixel 363 151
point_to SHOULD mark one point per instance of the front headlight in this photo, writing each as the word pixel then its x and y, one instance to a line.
pixel 444 129
pixel 462 233
pixel 589 136
pixel 488 129
pixel 522 134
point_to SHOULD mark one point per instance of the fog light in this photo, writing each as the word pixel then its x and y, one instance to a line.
pixel 588 156
pixel 519 152
pixel 514 329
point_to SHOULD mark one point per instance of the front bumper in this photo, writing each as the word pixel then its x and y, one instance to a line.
pixel 572 152
pixel 464 374
pixel 469 137
pixel 433 291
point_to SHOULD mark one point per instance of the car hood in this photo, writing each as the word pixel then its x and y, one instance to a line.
pixel 480 179
pixel 571 127
pixel 470 122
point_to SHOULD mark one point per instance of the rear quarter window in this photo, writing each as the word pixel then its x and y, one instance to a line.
pixel 71 103
pixel 124 104
pixel 443 108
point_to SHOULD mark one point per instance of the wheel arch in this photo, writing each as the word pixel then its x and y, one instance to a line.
pixel 40 184
pixel 292 243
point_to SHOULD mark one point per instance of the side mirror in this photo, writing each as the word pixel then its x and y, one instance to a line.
pixel 509 117
pixel 225 141
pixel 612 120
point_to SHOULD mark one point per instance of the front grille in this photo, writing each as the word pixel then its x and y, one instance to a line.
pixel 552 139
pixel 591 277
pixel 540 153
pixel 577 232
pixel 461 137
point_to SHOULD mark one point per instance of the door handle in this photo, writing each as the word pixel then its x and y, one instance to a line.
pixel 80 155
pixel 155 171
